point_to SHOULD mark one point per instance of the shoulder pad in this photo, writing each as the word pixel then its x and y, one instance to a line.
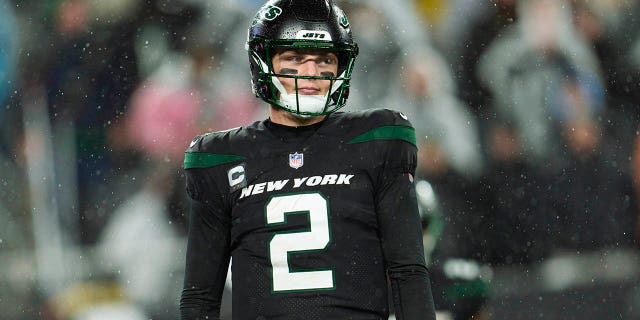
pixel 211 149
pixel 385 117
pixel 385 124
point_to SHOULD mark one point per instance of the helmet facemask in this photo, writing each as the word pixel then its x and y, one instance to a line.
pixel 262 52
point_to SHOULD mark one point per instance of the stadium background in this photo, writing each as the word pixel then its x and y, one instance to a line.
pixel 526 113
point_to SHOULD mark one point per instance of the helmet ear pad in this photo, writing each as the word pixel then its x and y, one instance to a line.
pixel 259 77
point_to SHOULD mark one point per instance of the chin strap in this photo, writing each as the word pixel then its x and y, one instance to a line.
pixel 300 103
pixel 297 103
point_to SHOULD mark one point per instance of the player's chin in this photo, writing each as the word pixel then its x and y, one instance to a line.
pixel 301 117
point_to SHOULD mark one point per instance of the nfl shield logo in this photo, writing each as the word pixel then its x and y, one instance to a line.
pixel 296 160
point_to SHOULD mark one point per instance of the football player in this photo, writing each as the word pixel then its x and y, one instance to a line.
pixel 317 208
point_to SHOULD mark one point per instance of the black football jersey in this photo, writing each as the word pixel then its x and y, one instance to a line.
pixel 313 217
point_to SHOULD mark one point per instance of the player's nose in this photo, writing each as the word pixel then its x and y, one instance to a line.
pixel 310 68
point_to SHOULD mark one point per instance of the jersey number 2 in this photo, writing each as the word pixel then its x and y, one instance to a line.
pixel 316 238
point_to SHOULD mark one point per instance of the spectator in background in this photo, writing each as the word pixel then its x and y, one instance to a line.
pixel 515 208
pixel 8 70
pixel 424 89
pixel 594 199
pixel 164 109
pixel 498 16
pixel 458 21
pixel 8 51
pixel 89 82
pixel 492 209
pixel 613 30
pixel 14 200
pixel 8 64
pixel 549 93
pixel 525 71
pixel 145 271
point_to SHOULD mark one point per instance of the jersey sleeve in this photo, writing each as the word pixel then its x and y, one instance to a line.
pixel 207 257
pixel 399 223
pixel 401 238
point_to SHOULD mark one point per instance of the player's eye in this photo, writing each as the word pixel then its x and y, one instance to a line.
pixel 329 60
pixel 293 58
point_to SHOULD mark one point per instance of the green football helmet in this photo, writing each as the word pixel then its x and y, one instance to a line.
pixel 300 24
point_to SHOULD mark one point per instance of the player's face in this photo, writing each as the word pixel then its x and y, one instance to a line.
pixel 306 63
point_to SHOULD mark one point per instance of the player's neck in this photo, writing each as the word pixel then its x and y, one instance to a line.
pixel 286 118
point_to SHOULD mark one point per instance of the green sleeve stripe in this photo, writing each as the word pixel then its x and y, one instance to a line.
pixel 206 160
pixel 405 133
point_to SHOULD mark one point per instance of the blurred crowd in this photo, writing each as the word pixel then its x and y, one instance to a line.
pixel 526 114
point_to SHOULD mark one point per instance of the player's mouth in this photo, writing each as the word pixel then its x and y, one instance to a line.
pixel 309 90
